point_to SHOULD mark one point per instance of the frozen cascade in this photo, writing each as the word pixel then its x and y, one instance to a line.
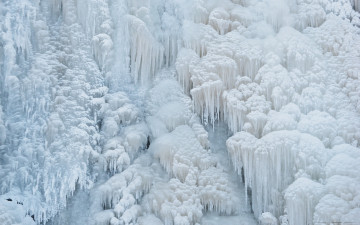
pixel 49 113
pixel 117 112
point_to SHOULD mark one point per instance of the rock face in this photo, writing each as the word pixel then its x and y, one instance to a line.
pixel 107 106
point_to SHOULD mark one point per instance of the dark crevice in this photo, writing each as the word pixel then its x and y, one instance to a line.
pixel 148 142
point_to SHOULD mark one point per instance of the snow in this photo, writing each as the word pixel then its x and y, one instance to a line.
pixel 179 112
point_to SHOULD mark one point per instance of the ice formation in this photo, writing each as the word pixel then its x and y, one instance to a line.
pixel 287 93
pixel 196 183
pixel 107 108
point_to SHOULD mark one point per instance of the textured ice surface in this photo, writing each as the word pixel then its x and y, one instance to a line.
pixel 117 112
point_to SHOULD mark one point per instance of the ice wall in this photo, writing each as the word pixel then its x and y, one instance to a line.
pixel 287 89
pixel 89 101
pixel 48 80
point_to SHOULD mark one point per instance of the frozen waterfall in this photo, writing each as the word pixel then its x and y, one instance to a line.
pixel 179 112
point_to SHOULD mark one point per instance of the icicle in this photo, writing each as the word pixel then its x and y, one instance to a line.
pixel 185 58
pixel 276 158
pixel 146 53
pixel 301 198
pixel 234 110
pixel 279 16
pixel 258 121
pixel 249 59
pixel 241 101
pixel 102 46
pixel 199 14
pixel 215 193
pixel 223 66
pixel 201 133
pixel 301 51
pixel 312 15
pixel 172 47
pixel 197 36
pixel 207 101
pixel 2 128
pixel 275 77
pixel 219 19
pixel 116 160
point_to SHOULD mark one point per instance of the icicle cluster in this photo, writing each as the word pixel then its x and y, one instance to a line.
pixel 196 184
pixel 294 81
pixel 47 87
pixel 285 80
pixel 116 201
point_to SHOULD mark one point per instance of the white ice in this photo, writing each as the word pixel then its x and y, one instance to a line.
pixel 179 112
